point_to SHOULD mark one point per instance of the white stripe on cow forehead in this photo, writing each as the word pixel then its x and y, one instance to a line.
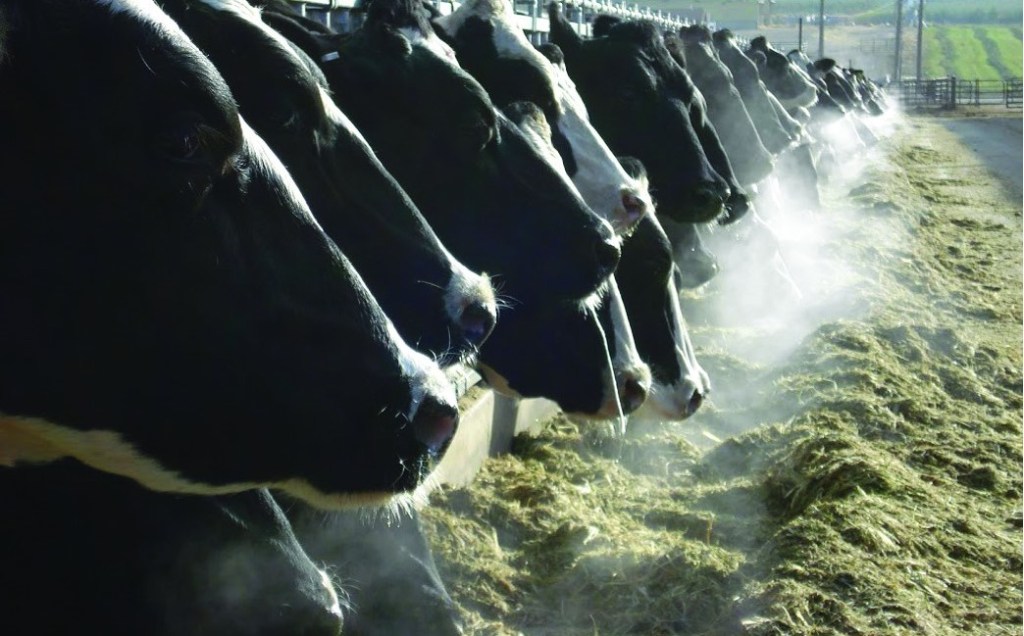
pixel 238 7
pixel 265 160
pixel 599 178
pixel 339 118
pixel 432 43
pixel 509 39
pixel 147 12
pixel 566 89
pixel 252 15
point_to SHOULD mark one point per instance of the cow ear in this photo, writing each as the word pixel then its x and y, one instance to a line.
pixel 385 39
pixel 313 43
pixel 562 32
pixel 530 119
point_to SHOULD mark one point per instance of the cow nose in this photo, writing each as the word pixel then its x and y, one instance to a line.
pixel 632 395
pixel 707 202
pixel 695 269
pixel 736 206
pixel 694 403
pixel 633 210
pixel 434 423
pixel 477 321
pixel 607 254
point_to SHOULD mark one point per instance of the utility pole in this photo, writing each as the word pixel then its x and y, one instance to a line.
pixel 897 70
pixel 920 35
pixel 821 29
pixel 800 34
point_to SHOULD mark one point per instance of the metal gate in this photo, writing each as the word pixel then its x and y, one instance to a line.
pixel 1014 91
pixel 950 92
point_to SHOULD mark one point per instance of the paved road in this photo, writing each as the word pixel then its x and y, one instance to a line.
pixel 999 143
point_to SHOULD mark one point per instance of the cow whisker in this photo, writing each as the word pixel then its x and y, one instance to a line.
pixel 428 283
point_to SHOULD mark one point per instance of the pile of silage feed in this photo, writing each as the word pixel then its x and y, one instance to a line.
pixel 876 490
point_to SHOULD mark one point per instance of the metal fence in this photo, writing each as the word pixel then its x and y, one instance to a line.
pixel 531 15
pixel 950 92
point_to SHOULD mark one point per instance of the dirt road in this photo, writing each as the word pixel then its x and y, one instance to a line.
pixel 994 140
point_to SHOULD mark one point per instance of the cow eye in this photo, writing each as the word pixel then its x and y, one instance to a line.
pixel 179 141
pixel 478 135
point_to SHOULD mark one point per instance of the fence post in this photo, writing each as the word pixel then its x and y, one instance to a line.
pixel 952 91
pixel 977 92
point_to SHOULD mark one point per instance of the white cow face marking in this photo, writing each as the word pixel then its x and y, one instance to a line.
pixel 600 180
pixel 680 399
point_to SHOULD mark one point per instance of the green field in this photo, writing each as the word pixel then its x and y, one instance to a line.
pixel 972 52
pixel 880 11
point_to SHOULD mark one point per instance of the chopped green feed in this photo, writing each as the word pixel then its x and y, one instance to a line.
pixel 869 477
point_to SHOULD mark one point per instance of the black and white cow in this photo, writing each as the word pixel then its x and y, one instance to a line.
pixel 492 47
pixel 755 94
pixel 172 310
pixel 841 89
pixel 870 92
pixel 782 134
pixel 633 89
pixel 750 160
pixel 648 280
pixel 786 80
pixel 436 303
pixel 737 203
pixel 484 189
pixel 478 32
pixel 560 351
pixel 604 337
pixel 85 551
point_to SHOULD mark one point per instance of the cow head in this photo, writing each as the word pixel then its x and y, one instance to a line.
pixel 648 280
pixel 172 310
pixel 437 303
pixel 492 47
pixel 637 99
pixel 750 160
pixel 756 97
pixel 483 188
pixel 790 83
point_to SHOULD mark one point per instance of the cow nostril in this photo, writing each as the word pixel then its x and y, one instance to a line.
pixel 695 269
pixel 633 395
pixel 737 205
pixel 708 202
pixel 634 208
pixel 695 401
pixel 607 254
pixel 477 321
pixel 434 424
